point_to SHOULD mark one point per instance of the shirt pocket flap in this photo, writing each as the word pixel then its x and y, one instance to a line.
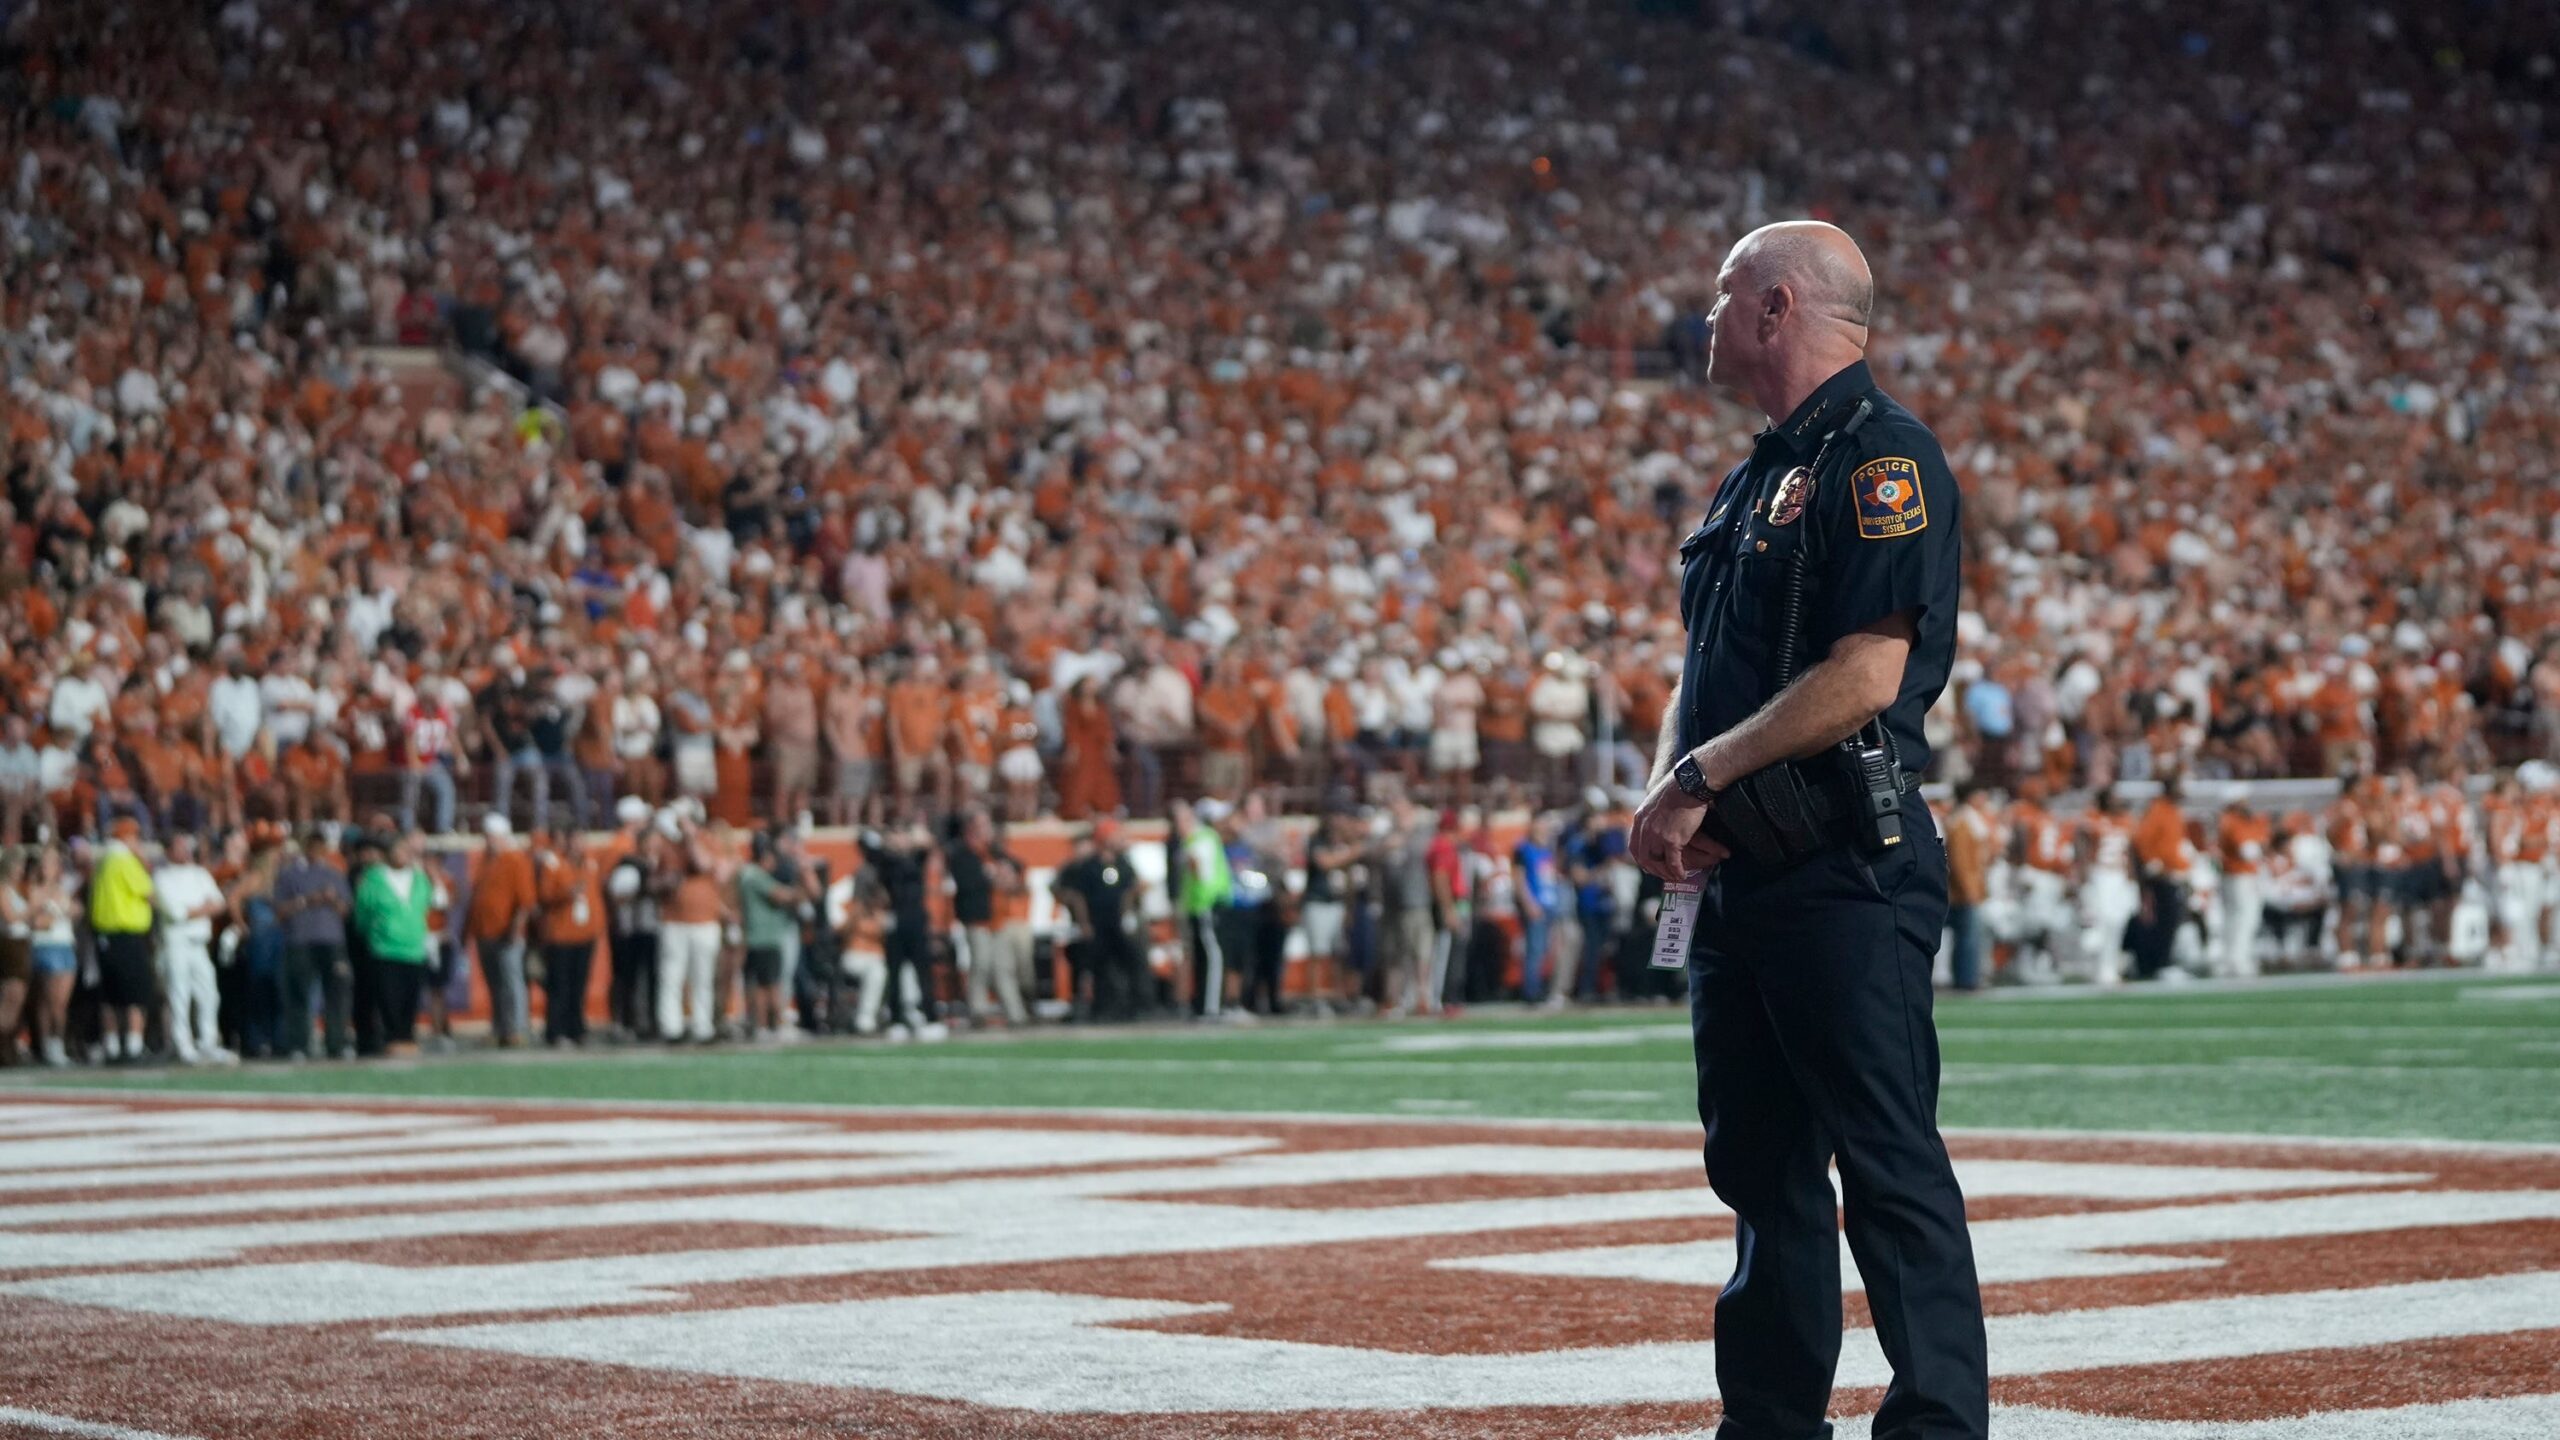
pixel 1708 529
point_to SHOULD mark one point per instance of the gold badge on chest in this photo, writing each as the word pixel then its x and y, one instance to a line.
pixel 1794 489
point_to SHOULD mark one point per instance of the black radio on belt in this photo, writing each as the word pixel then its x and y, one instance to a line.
pixel 1877 781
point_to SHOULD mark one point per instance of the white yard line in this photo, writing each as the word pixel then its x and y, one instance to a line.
pixel 2525 993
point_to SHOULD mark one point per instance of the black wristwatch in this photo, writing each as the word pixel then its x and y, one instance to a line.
pixel 1693 781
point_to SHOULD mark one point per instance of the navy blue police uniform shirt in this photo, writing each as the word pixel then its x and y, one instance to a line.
pixel 1882 525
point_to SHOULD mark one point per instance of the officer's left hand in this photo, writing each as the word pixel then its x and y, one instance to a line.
pixel 1664 841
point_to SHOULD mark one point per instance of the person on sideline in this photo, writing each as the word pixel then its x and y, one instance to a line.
pixel 1810 959
pixel 120 916
pixel 392 903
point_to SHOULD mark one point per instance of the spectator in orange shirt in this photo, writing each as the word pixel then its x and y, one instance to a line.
pixel 568 889
pixel 791 735
pixel 2351 830
pixel 315 777
pixel 2242 839
pixel 1088 763
pixel 1018 761
pixel 852 723
pixel 1972 839
pixel 591 748
pixel 1227 712
pixel 689 941
pixel 2162 855
pixel 919 709
pixel 161 767
pixel 503 901
pixel 737 729
pixel 1502 725
pixel 977 710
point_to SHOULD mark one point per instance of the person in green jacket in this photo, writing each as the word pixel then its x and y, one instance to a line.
pixel 1202 884
pixel 769 914
pixel 392 904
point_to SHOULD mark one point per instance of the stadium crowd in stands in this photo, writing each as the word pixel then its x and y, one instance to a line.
pixel 1030 406
pixel 1061 407
pixel 326 944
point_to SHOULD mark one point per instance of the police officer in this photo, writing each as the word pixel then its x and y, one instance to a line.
pixel 1809 972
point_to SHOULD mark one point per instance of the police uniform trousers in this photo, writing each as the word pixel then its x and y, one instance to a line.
pixel 1810 1001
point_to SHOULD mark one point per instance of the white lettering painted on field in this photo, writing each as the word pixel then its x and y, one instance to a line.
pixel 885 1154
pixel 986 1225
pixel 1070 1353
pixel 923 1211
pixel 2063 1247
pixel 440 1141
pixel 95 1139
pixel 710 1140
pixel 970 1222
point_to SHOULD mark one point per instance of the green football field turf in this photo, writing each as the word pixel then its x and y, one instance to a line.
pixel 2470 1058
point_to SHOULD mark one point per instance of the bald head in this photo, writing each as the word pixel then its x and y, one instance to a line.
pixel 1792 305
pixel 1819 262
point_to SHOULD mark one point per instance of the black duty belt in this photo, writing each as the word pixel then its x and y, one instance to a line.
pixel 1785 813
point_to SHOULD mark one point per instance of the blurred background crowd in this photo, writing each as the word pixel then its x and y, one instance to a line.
pixel 875 412
pixel 1065 405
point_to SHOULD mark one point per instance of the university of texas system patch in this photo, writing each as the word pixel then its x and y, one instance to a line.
pixel 219 1270
pixel 1889 503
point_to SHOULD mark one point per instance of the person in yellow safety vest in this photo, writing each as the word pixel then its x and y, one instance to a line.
pixel 120 914
pixel 1203 884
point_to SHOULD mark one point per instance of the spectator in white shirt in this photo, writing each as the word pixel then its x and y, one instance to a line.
pixel 1454 748
pixel 1559 707
pixel 79 698
pixel 236 708
pixel 188 900
pixel 288 700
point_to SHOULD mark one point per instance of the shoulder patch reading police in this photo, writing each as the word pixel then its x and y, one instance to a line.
pixel 1889 503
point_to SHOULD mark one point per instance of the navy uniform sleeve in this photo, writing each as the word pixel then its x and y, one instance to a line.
pixel 1890 522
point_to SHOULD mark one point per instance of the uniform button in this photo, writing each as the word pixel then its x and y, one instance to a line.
pixel 1763 545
